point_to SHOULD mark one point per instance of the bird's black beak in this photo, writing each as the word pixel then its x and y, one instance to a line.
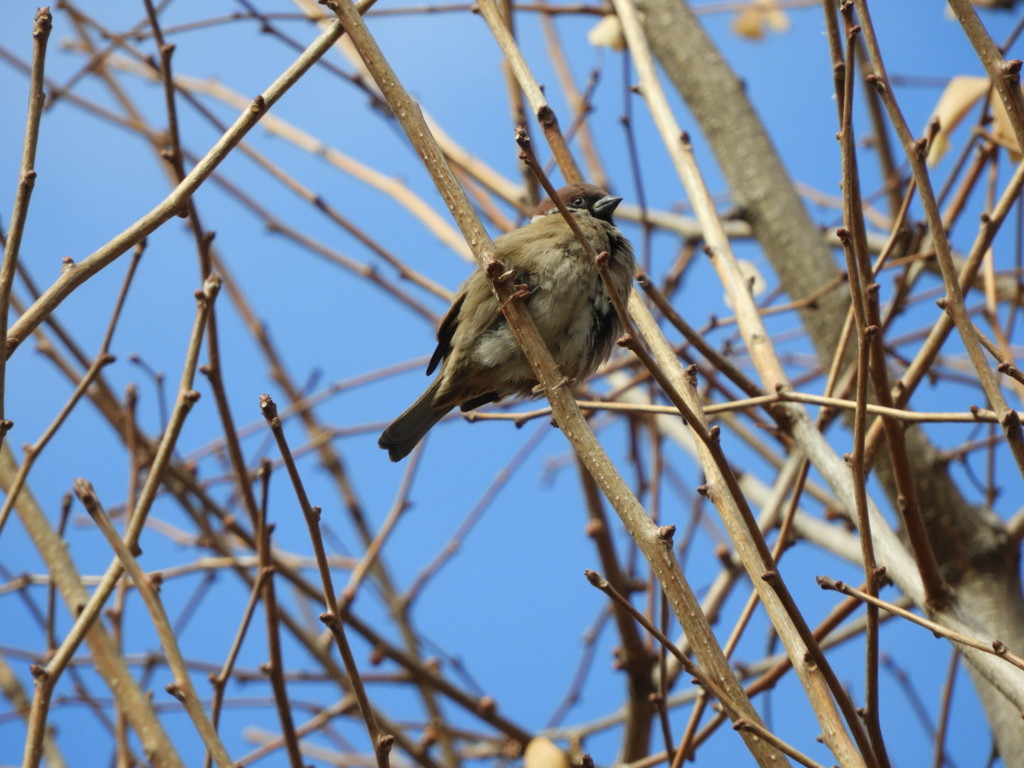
pixel 605 207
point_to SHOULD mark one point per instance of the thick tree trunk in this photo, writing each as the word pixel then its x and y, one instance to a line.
pixel 978 558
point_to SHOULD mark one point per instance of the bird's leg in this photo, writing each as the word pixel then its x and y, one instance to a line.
pixel 519 290
pixel 522 290
pixel 522 286
pixel 566 381
pixel 495 272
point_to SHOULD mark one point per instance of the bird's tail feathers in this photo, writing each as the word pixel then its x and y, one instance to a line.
pixel 405 432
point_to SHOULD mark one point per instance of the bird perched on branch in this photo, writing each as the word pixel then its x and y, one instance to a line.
pixel 480 360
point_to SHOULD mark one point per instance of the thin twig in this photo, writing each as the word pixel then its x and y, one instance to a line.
pixel 78 273
pixel 275 665
pixel 26 182
pixel 330 617
pixel 182 688
pixel 996 648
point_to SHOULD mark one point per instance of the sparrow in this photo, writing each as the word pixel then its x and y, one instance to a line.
pixel 479 358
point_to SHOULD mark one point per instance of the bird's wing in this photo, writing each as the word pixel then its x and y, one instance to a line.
pixel 445 331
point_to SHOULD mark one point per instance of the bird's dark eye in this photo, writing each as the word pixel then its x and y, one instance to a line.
pixel 577 202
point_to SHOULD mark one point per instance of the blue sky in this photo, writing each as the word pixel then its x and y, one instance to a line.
pixel 512 605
